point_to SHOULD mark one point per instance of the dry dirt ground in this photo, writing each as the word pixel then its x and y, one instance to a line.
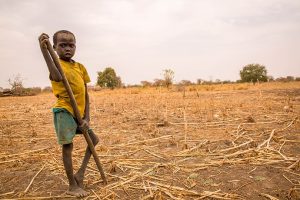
pixel 240 142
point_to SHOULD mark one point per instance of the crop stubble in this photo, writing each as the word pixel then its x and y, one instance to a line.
pixel 157 144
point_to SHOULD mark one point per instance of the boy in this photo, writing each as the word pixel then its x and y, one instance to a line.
pixel 66 126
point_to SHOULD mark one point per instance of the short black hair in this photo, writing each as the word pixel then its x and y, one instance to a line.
pixel 61 31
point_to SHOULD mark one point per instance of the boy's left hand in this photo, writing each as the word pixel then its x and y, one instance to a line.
pixel 85 125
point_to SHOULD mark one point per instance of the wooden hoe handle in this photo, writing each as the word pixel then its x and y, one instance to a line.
pixel 76 111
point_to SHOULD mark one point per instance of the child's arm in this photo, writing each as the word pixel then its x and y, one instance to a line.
pixel 86 117
pixel 54 73
pixel 87 105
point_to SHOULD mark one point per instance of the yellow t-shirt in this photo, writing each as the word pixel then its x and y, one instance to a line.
pixel 77 76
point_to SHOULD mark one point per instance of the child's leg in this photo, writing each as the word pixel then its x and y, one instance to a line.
pixel 67 160
pixel 80 173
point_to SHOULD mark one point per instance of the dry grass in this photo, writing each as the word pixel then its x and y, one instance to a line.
pixel 228 142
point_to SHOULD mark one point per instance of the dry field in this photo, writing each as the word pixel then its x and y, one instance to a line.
pixel 217 142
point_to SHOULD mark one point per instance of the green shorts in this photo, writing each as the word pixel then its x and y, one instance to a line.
pixel 66 126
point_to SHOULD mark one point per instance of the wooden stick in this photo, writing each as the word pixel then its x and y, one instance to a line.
pixel 193 148
pixel 153 154
pixel 19 154
pixel 169 194
pixel 268 196
pixel 7 193
pixel 49 197
pixel 209 194
pixel 292 122
pixel 292 172
pixel 7 161
pixel 142 141
pixel 267 141
pixel 288 179
pixel 96 195
pixel 33 179
pixel 235 153
pixel 75 109
pixel 185 128
pixel 231 148
pixel 297 162
pixel 171 187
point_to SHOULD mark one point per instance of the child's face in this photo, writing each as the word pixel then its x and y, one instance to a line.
pixel 66 46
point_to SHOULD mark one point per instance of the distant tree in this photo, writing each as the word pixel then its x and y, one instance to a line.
pixel 297 79
pixel 281 79
pixel 185 82
pixel 287 79
pixel 108 78
pixel 226 81
pixel 168 77
pixel 119 82
pixel 200 81
pixel 133 86
pixel 218 81
pixel 32 91
pixel 16 85
pixel 146 83
pixel 158 82
pixel 290 78
pixel 253 73
pixel 270 78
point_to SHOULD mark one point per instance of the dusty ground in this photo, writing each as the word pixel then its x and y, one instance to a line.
pixel 241 142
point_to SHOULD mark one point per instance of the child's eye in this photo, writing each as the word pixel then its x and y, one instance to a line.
pixel 72 45
pixel 62 45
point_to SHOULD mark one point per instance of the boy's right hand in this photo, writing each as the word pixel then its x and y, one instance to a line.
pixel 84 126
pixel 43 40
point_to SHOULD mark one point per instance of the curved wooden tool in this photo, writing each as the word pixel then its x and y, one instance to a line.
pixel 76 111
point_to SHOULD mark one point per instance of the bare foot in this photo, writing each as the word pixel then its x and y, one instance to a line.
pixel 79 179
pixel 77 192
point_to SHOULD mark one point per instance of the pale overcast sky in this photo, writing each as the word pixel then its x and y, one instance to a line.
pixel 208 39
